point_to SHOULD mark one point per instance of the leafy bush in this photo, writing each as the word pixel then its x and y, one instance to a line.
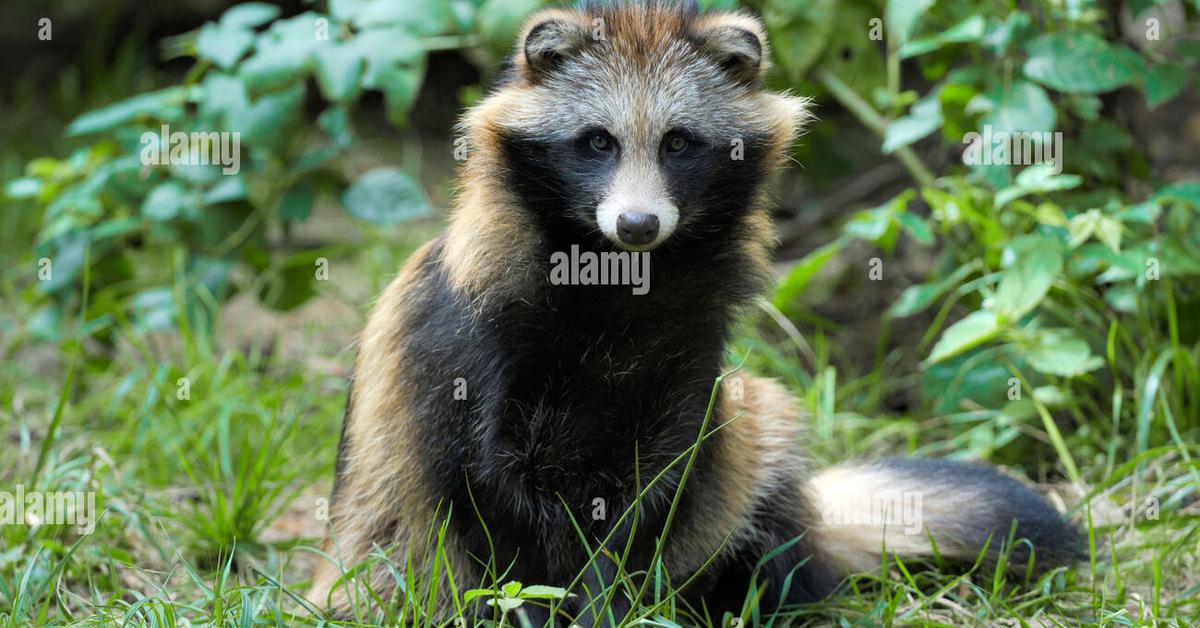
pixel 1055 271
pixel 113 201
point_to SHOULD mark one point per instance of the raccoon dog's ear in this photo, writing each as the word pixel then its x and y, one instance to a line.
pixel 549 39
pixel 737 42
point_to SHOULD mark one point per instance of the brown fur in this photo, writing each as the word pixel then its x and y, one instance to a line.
pixel 380 501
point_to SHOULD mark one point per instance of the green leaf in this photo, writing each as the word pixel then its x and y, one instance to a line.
pixel 264 122
pixel 500 20
pixel 385 196
pixel 1108 231
pixel 420 17
pixel 1122 298
pixel 162 105
pixel 1145 213
pixel 1122 266
pixel 223 44
pixel 464 13
pixel 1060 352
pixel 228 189
pixel 1162 82
pixel 916 227
pixel 224 96
pixel 870 224
pixel 917 298
pixel 798 278
pixel 314 160
pixel 1038 178
pixel 1019 106
pixel 902 16
pixel 1002 35
pixel 924 118
pixel 856 60
pixel 474 594
pixel 1185 191
pixel 800 31
pixel 67 253
pixel 881 224
pixel 973 330
pixel 400 85
pixel 384 48
pixel 249 14
pixel 970 29
pixel 296 204
pixel 1037 260
pixel 167 201
pixel 543 592
pixel 506 604
pixel 336 122
pixel 1081 227
pixel 22 188
pixel 1085 106
pixel 994 175
pixel 1080 62
pixel 339 69
pixel 395 66
pixel 290 286
pixel 282 55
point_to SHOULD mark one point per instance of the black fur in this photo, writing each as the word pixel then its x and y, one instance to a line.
pixel 566 394
pixel 997 500
pixel 561 186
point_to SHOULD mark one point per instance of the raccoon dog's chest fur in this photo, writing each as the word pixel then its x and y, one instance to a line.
pixel 584 389
pixel 529 414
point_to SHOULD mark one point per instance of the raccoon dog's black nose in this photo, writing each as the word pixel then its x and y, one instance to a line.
pixel 637 228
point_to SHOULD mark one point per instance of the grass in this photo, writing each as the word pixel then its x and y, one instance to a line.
pixel 210 466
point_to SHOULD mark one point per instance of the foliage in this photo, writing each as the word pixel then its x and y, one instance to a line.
pixel 1054 270
pixel 254 75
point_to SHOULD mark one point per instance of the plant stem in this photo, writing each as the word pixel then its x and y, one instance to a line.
pixel 872 120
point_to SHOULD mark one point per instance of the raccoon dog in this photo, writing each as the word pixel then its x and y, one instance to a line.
pixel 529 414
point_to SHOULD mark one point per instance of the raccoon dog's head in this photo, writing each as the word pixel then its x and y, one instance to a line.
pixel 638 126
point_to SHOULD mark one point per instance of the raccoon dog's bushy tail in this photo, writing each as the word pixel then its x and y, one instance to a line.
pixel 899 505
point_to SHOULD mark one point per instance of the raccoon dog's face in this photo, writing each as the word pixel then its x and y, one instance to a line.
pixel 640 127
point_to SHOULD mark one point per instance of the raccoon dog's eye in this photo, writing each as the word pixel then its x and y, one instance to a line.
pixel 600 142
pixel 676 143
